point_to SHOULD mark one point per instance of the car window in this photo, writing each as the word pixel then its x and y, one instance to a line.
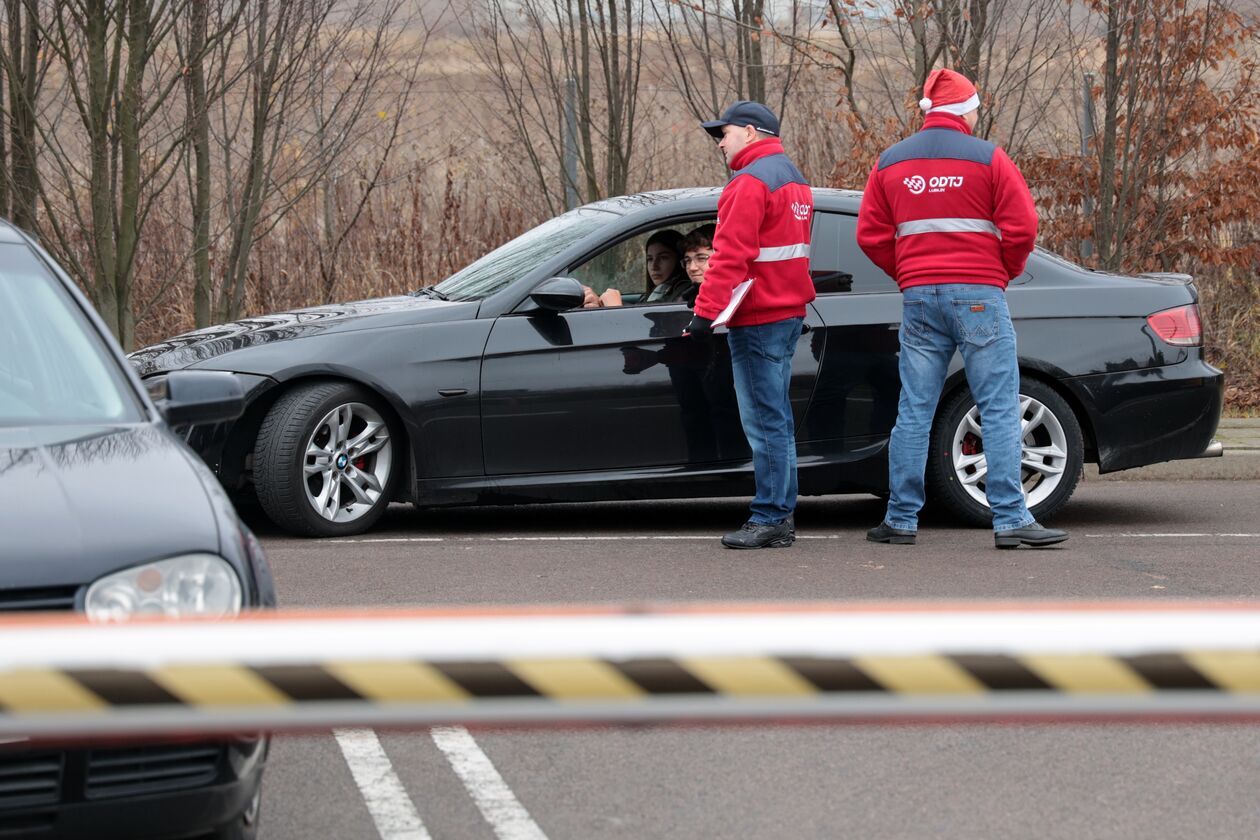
pixel 54 367
pixel 837 264
pixel 1058 258
pixel 619 267
pixel 623 266
pixel 497 269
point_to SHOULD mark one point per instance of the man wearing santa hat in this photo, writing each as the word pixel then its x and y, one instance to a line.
pixel 950 217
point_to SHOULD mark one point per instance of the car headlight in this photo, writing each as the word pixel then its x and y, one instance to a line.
pixel 191 586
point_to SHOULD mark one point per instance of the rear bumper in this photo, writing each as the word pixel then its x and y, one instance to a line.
pixel 169 808
pixel 1148 416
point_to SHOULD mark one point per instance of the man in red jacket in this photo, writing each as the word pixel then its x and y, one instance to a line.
pixel 763 225
pixel 950 218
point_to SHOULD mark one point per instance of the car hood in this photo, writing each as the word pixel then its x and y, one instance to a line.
pixel 85 501
pixel 205 344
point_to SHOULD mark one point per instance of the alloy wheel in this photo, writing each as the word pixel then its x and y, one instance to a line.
pixel 347 462
pixel 1042 462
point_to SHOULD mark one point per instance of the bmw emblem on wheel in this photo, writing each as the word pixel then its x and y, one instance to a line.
pixel 342 460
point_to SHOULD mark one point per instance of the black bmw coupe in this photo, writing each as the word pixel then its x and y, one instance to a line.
pixel 496 387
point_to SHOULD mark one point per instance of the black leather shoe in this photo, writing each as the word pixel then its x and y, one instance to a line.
pixel 885 533
pixel 1034 535
pixel 752 535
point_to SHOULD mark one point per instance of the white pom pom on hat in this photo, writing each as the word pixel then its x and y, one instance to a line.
pixel 925 104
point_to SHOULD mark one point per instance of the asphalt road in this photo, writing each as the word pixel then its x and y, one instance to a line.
pixel 1157 540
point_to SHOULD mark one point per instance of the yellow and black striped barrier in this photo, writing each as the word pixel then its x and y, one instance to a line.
pixel 68 679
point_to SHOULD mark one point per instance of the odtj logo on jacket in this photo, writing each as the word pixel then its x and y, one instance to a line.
pixel 801 210
pixel 915 184
pixel 940 183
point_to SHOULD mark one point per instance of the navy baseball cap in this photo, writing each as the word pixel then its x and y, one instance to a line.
pixel 745 112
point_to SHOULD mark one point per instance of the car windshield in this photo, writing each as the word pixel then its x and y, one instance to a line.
pixel 494 271
pixel 54 368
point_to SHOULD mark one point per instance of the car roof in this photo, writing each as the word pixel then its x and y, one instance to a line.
pixel 825 197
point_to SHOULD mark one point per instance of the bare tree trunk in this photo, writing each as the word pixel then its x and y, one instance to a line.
pixel 584 100
pixel 266 48
pixel 199 139
pixel 749 14
pixel 5 174
pixel 1104 227
pixel 100 72
pixel 22 70
pixel 969 59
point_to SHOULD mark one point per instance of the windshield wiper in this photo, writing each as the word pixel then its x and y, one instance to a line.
pixel 431 291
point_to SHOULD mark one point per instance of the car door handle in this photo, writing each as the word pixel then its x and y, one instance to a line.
pixel 805 328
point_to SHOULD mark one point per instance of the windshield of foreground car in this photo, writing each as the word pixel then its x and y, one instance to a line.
pixel 54 368
pixel 494 271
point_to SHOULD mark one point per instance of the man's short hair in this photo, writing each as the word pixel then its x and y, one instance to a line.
pixel 701 237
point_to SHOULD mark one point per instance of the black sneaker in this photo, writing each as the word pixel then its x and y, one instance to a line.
pixel 885 533
pixel 1034 535
pixel 752 535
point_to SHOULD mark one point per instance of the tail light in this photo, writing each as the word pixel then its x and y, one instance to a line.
pixel 1180 326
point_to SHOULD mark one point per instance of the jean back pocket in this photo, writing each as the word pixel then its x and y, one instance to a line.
pixel 980 321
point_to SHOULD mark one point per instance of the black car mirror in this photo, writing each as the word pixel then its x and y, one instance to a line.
pixel 558 294
pixel 200 396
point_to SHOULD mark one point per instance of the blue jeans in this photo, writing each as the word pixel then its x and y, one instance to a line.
pixel 935 321
pixel 761 358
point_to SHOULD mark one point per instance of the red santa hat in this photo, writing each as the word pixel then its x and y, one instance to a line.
pixel 948 92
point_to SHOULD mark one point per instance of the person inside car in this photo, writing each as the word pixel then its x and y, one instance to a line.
pixel 663 255
pixel 697 248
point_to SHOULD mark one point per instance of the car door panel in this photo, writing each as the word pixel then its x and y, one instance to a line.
pixel 855 401
pixel 613 388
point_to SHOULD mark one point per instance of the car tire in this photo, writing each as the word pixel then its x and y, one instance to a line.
pixel 1052 440
pixel 321 441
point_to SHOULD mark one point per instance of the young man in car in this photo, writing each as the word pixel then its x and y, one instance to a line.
pixel 697 248
pixel 950 217
pixel 763 227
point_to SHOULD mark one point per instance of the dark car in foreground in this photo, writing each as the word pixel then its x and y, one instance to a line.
pixel 106 512
pixel 493 387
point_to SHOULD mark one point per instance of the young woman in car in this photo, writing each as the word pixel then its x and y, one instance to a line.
pixel 662 254
pixel 663 273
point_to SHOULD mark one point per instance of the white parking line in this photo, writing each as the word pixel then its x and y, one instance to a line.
pixel 674 537
pixel 494 798
pixel 387 801
pixel 1163 536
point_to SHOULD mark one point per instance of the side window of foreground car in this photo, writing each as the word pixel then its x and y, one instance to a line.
pixel 837 264
pixel 644 269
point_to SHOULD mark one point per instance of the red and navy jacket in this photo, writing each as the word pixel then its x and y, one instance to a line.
pixel 764 216
pixel 943 206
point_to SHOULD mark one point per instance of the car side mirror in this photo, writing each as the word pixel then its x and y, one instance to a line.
pixel 192 397
pixel 558 294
